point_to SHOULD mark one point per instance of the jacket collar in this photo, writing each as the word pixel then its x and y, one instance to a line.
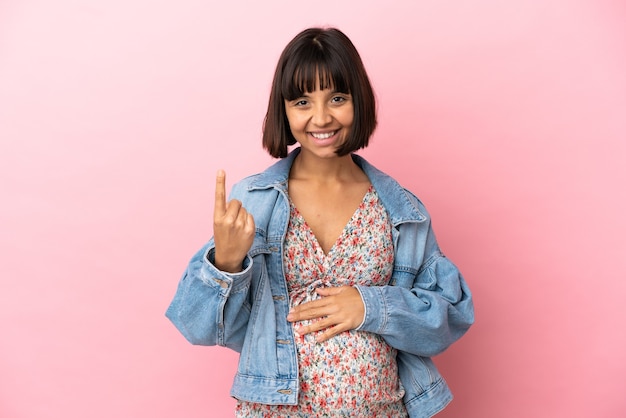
pixel 393 196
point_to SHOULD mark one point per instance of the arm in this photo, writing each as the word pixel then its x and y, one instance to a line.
pixel 421 314
pixel 210 306
pixel 425 309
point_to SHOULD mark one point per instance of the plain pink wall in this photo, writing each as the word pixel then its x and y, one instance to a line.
pixel 508 119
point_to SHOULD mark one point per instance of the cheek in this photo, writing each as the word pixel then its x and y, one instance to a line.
pixel 290 116
pixel 348 119
pixel 293 128
pixel 295 123
pixel 348 116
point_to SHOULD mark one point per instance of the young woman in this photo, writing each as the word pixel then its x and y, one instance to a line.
pixel 323 272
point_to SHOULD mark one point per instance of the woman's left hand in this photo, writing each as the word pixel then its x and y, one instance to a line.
pixel 340 309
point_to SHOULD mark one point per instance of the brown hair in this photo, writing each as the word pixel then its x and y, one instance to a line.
pixel 325 56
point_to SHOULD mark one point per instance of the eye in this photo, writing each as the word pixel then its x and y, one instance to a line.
pixel 338 99
pixel 300 102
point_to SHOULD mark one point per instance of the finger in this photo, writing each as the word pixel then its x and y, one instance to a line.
pixel 250 227
pixel 308 310
pixel 312 304
pixel 241 220
pixel 330 333
pixel 327 329
pixel 315 326
pixel 233 212
pixel 220 193
pixel 323 324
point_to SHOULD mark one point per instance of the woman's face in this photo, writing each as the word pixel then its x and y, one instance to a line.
pixel 320 120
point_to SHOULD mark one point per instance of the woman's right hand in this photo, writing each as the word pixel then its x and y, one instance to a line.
pixel 233 229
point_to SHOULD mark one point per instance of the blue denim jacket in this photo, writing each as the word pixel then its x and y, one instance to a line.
pixel 425 308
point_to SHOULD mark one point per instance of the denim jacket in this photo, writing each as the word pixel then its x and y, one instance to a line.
pixel 425 307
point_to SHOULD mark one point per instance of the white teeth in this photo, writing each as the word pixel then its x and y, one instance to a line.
pixel 323 136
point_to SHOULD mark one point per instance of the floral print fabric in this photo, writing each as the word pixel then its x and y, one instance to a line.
pixel 354 374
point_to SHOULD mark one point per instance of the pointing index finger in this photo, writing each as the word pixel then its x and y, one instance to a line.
pixel 220 192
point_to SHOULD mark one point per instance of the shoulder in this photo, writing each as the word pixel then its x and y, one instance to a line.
pixel 402 204
pixel 416 202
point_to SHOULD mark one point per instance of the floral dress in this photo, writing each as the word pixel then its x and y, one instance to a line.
pixel 354 374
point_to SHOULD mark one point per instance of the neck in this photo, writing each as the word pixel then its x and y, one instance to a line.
pixel 323 170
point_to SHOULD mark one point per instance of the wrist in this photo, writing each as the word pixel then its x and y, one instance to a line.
pixel 229 268
pixel 225 266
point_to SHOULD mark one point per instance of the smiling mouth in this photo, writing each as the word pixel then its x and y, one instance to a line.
pixel 324 135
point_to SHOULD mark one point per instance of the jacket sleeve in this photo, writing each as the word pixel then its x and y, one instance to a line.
pixel 425 308
pixel 210 307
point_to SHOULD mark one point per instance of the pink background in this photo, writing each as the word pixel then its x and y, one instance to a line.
pixel 508 119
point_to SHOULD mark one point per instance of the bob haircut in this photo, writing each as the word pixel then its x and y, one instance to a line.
pixel 325 56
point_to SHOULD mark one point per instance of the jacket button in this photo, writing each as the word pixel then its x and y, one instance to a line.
pixel 285 391
pixel 274 249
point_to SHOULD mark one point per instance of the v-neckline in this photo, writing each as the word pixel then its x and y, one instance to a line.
pixel 316 244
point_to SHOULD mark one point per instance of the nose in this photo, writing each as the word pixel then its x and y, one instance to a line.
pixel 321 115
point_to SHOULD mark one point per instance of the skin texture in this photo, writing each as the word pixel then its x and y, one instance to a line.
pixel 233 229
pixel 320 112
pixel 326 189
